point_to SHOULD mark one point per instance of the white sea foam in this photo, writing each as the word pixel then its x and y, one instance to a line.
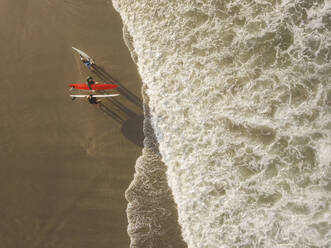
pixel 240 100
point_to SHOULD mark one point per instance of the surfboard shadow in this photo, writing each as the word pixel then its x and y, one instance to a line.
pixel 104 75
pixel 111 113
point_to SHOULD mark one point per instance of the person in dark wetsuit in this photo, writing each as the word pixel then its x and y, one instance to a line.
pixel 90 81
pixel 93 100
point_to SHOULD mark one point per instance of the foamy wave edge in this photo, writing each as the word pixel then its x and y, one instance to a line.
pixel 152 212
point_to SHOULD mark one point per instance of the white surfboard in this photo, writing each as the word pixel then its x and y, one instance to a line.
pixel 98 96
pixel 84 55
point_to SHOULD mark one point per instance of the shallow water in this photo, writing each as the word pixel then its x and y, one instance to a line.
pixel 239 94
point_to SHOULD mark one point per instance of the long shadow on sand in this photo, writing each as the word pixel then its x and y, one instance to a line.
pixel 101 73
pixel 131 123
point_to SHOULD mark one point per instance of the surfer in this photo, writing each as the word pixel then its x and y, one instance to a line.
pixel 93 100
pixel 87 62
pixel 90 81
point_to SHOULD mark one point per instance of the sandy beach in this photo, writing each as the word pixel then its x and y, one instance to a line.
pixel 65 165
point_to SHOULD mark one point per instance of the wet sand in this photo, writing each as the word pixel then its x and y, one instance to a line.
pixel 65 165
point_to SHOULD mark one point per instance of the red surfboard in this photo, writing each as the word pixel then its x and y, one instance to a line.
pixel 93 86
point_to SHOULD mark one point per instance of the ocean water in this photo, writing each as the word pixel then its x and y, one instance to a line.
pixel 239 99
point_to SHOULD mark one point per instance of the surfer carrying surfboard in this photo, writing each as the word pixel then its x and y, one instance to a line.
pixel 93 100
pixel 87 62
pixel 90 81
pixel 93 97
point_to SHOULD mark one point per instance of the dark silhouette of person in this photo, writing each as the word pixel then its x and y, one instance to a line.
pixel 90 82
pixel 93 100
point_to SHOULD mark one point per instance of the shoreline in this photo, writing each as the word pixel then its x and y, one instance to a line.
pixel 153 219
